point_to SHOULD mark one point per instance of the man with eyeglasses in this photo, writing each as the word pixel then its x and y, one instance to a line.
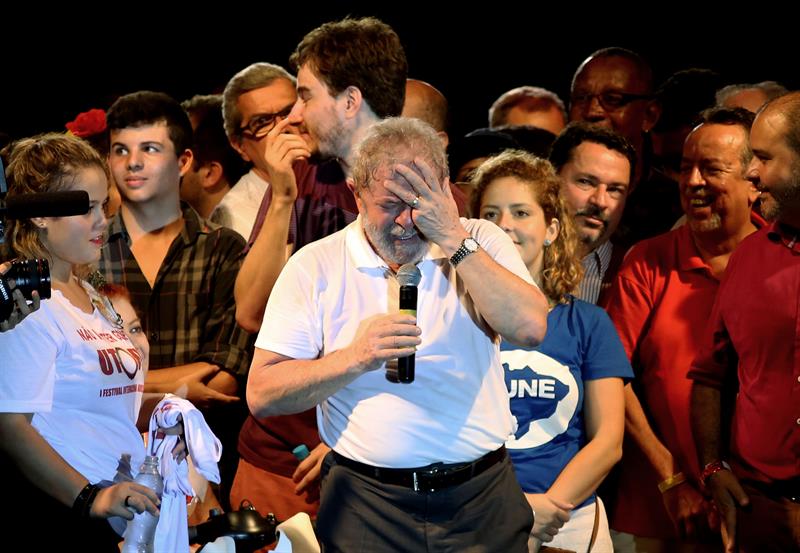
pixel 613 88
pixel 255 100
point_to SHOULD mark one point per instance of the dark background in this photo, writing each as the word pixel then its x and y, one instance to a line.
pixel 56 64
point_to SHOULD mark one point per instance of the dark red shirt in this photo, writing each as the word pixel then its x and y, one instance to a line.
pixel 753 337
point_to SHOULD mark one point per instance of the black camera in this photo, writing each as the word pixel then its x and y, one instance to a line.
pixel 28 275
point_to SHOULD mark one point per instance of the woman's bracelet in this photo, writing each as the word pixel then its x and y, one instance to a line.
pixel 675 480
pixel 82 505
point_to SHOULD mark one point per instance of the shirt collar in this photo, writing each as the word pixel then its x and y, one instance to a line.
pixel 784 234
pixel 193 225
pixel 689 258
pixel 600 257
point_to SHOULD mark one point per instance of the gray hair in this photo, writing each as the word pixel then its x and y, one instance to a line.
pixel 532 95
pixel 385 143
pixel 252 77
pixel 771 89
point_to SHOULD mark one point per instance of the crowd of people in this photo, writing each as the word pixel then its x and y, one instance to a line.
pixel 605 339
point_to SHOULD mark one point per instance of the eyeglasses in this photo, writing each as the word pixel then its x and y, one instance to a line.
pixel 609 101
pixel 259 125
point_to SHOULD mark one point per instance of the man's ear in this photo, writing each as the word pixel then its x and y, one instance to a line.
pixel 651 114
pixel 352 101
pixel 185 161
pixel 351 184
pixel 212 175
pixel 237 145
pixel 752 193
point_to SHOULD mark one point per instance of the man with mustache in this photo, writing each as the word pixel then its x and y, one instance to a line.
pixel 596 165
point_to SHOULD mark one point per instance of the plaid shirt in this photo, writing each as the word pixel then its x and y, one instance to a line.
pixel 189 313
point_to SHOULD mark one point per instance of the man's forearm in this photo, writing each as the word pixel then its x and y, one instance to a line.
pixel 639 429
pixel 706 407
pixel 162 381
pixel 278 385
pixel 512 307
pixel 262 265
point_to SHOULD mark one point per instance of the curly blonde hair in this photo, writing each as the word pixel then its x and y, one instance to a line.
pixel 44 163
pixel 561 267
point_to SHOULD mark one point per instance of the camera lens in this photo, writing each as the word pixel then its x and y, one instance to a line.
pixel 28 275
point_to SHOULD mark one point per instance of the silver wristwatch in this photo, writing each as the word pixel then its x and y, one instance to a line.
pixel 468 246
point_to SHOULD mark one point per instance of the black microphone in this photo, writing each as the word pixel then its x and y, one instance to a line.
pixel 408 276
pixel 47 204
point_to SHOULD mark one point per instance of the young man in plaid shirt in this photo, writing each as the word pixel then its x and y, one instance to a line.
pixel 179 268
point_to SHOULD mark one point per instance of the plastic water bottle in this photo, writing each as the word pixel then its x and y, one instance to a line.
pixel 141 531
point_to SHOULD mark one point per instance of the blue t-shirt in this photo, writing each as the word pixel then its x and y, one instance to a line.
pixel 545 388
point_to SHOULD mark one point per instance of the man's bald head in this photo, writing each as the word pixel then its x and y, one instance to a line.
pixel 426 103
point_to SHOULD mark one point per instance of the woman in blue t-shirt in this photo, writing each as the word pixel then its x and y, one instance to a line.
pixel 567 393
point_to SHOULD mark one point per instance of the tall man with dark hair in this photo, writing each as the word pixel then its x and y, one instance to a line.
pixel 351 74
pixel 420 466
pixel 751 342
pixel 179 268
pixel 596 166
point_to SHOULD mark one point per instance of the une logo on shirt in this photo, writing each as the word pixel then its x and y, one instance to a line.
pixel 543 401
pixel 532 385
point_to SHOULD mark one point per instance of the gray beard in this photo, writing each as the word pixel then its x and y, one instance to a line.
pixel 393 251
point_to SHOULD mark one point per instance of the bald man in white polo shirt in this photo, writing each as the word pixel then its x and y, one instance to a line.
pixel 417 466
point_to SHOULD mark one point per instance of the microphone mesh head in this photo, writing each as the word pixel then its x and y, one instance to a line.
pixel 409 275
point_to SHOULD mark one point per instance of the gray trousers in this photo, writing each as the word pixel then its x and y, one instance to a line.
pixel 359 514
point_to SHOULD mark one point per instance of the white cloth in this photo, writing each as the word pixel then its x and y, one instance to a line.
pixel 239 207
pixel 456 410
pixel 296 535
pixel 82 379
pixel 223 544
pixel 205 450
pixel 576 533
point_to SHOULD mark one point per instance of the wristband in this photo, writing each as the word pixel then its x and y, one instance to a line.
pixel 675 480
pixel 712 468
pixel 83 503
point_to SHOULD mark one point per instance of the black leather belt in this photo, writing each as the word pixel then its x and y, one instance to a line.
pixel 429 478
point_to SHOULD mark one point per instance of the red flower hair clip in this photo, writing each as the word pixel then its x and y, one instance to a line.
pixel 88 123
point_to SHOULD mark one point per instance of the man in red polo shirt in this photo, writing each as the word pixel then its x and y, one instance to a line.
pixel 659 303
pixel 752 340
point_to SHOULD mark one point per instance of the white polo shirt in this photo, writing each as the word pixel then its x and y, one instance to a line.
pixel 456 410
pixel 238 209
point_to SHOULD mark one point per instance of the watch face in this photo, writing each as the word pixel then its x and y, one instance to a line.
pixel 471 245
